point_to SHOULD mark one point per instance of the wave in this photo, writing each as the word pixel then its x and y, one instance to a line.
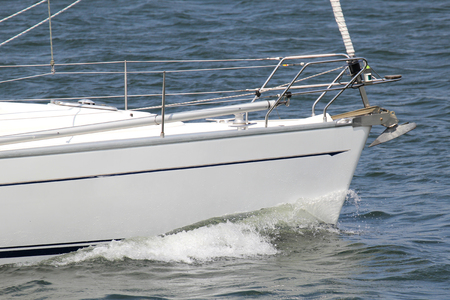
pixel 199 245
pixel 248 235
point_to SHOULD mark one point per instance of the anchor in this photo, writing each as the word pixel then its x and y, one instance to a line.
pixel 393 132
pixel 375 115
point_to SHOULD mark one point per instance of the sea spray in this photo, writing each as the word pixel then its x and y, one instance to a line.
pixel 199 245
pixel 244 235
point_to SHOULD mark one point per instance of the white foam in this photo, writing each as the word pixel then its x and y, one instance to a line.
pixel 198 245
pixel 247 235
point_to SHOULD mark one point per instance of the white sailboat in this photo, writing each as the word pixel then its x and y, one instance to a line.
pixel 75 173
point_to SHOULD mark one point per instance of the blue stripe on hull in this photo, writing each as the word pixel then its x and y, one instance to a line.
pixel 55 249
pixel 48 249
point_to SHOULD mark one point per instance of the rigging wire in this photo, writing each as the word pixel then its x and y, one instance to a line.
pixel 197 102
pixel 23 10
pixel 336 9
pixel 302 79
pixel 194 102
pixel 52 61
pixel 38 24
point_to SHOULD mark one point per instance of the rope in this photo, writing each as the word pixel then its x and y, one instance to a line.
pixel 38 24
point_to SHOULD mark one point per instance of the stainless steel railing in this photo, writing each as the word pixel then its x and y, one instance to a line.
pixel 329 87
pixel 298 84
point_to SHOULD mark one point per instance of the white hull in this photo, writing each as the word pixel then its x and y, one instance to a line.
pixel 80 173
pixel 58 198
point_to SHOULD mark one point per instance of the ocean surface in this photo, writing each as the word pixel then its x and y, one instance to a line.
pixel 392 240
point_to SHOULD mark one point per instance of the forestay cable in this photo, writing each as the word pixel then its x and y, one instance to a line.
pixel 339 16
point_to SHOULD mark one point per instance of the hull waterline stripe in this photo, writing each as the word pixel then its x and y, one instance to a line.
pixel 50 249
pixel 174 169
pixel 55 249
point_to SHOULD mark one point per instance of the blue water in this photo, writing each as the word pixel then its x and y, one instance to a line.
pixel 392 238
